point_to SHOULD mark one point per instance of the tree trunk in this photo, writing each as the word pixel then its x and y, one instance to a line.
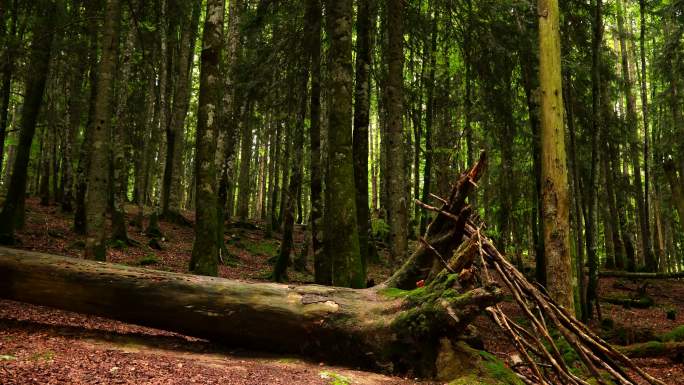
pixel 590 220
pixel 396 178
pixel 8 60
pixel 341 230
pixel 245 163
pixel 204 250
pixel 12 216
pixel 74 111
pixel 287 245
pixel 172 193
pixel 361 123
pixel 315 168
pixel 375 328
pixel 554 171
pixel 98 165
pixel 429 120
pixel 632 125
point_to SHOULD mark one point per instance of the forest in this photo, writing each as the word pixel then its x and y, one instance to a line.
pixel 337 192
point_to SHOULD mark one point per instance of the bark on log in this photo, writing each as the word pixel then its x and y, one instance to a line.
pixel 626 274
pixel 378 328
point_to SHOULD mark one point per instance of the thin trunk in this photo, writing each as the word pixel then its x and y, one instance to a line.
pixel 590 220
pixel 245 163
pixel 172 187
pixel 321 273
pixel 287 246
pixel 396 178
pixel 8 60
pixel 12 216
pixel 632 125
pixel 361 124
pixel 429 120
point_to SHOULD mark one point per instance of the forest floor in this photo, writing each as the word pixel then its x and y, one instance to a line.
pixel 39 345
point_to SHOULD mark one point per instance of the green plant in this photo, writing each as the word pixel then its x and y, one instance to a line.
pixel 149 259
pixel 335 379
pixel 380 228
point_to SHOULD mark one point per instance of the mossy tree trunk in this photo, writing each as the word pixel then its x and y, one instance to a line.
pixel 341 230
pixel 204 250
pixel 555 200
pixel 98 165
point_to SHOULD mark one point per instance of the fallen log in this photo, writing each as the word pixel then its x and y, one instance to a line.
pixel 376 328
pixel 630 275
pixel 653 349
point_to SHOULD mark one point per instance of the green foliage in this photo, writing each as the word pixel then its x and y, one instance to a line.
pixel 149 259
pixel 118 244
pixel 263 247
pixel 335 378
pixel 380 228
pixel 7 357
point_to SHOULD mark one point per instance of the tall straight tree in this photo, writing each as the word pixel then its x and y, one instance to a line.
pixel 98 170
pixel 634 148
pixel 555 199
pixel 590 218
pixel 361 122
pixel 173 170
pixel 205 249
pixel 396 177
pixel 314 23
pixel 7 60
pixel 651 262
pixel 341 231
pixel 12 216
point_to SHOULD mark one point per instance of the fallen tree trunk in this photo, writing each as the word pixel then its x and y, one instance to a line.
pixel 359 327
pixel 629 275
pixel 654 349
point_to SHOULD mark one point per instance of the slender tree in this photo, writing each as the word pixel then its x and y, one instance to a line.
pixel 12 215
pixel 396 178
pixel 361 122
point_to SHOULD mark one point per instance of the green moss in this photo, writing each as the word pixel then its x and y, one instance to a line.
pixel 335 379
pixel 481 368
pixel 147 260
pixel 267 248
pixel 675 335
pixel 393 292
